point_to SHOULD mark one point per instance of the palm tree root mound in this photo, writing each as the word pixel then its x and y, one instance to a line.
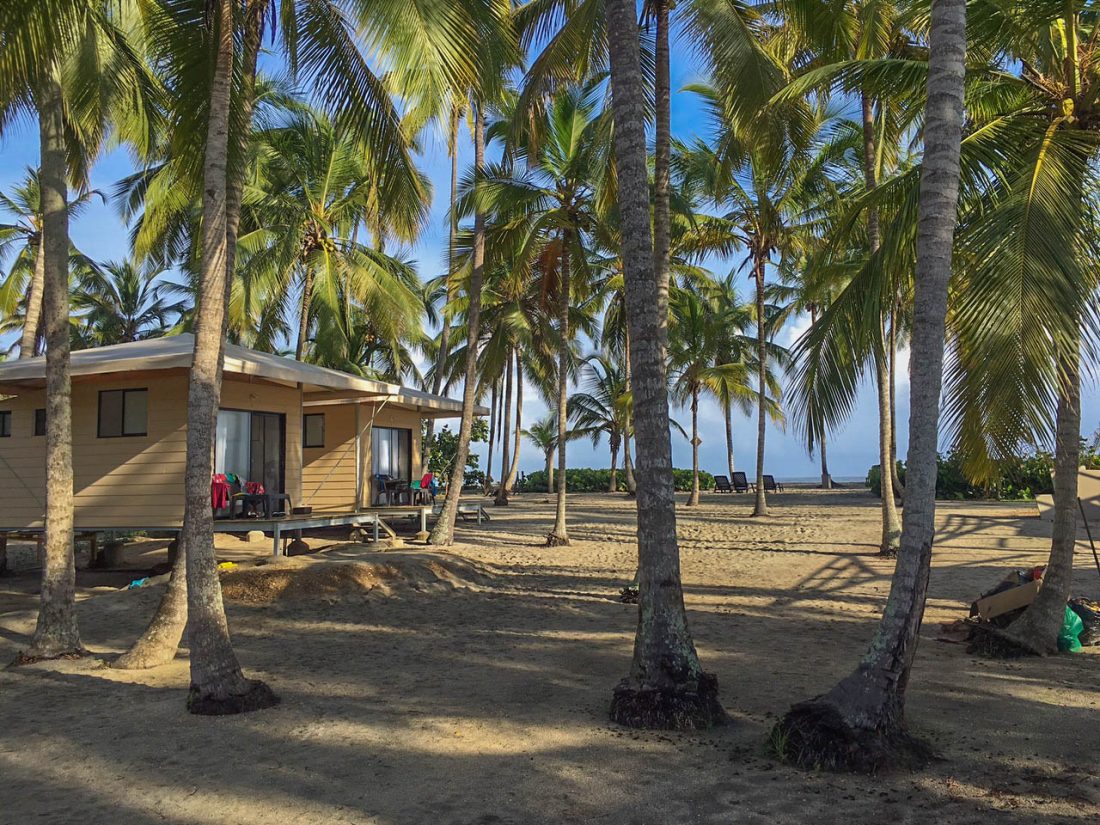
pixel 815 735
pixel 554 540
pixel 30 657
pixel 255 696
pixel 691 706
pixel 629 595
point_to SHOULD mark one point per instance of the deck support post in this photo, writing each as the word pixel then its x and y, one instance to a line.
pixel 277 532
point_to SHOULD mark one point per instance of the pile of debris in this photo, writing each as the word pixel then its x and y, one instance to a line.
pixel 1000 606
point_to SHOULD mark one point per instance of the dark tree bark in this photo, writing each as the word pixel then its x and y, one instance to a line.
pixel 761 506
pixel 860 723
pixel 1036 630
pixel 666 687
pixel 492 437
pixel 662 158
pixel 56 633
pixel 443 532
pixel 217 684
pixel 628 460
pixel 559 536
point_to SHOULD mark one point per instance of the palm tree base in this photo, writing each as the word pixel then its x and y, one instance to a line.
pixel 888 551
pixel 816 735
pixel 35 655
pixel 248 695
pixel 555 539
pixel 689 706
pixel 629 594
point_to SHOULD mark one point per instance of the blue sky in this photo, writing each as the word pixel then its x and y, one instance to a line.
pixel 99 232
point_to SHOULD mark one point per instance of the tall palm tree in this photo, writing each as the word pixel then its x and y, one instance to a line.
pixel 22 287
pixel 667 687
pixel 554 196
pixel 53 55
pixel 121 302
pixel 860 723
pixel 604 410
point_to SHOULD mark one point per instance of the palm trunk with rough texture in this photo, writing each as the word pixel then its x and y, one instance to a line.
pixel 560 534
pixel 666 687
pixel 445 332
pixel 443 532
pixel 892 352
pixel 826 476
pixel 727 414
pixel 56 633
pixel 628 460
pixel 505 446
pixel 1036 630
pixel 550 470
pixel 693 498
pixel 662 157
pixel 492 437
pixel 613 479
pixel 217 684
pixel 161 639
pixel 891 523
pixel 29 337
pixel 761 506
pixel 513 470
pixel 860 723
pixel 303 315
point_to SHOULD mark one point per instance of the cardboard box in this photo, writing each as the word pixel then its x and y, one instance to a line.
pixel 1007 600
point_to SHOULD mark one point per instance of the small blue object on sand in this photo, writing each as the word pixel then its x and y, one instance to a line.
pixel 136 583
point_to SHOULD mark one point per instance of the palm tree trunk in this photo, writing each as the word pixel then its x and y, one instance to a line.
pixel 513 470
pixel 56 633
pixel 628 461
pixel 666 687
pixel 506 419
pixel 662 159
pixel 1037 628
pixel 727 414
pixel 860 724
pixel 826 477
pixel 891 523
pixel 445 332
pixel 693 499
pixel 217 684
pixel 492 438
pixel 761 508
pixel 613 479
pixel 560 534
pixel 160 641
pixel 34 304
pixel 303 315
pixel 892 352
pixel 444 530
pixel 550 471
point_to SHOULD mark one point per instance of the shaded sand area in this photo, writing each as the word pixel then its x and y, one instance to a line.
pixel 472 686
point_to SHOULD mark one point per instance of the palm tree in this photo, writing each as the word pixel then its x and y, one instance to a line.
pixel 50 65
pixel 767 189
pixel 314 186
pixel 544 435
pixel 605 408
pixel 23 285
pixel 860 722
pixel 667 687
pixel 122 302
pixel 554 197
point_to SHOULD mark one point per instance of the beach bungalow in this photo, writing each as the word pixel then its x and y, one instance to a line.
pixel 318 435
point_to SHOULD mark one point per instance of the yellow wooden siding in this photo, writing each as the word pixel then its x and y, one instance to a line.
pixel 133 481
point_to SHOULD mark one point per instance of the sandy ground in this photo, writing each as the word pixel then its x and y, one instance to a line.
pixel 473 688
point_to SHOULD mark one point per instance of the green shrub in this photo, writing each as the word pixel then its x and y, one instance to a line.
pixel 588 480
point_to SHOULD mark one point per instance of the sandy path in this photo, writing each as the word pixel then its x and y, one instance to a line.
pixel 488 704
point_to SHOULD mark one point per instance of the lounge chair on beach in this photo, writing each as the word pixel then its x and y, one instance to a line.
pixel 741 483
pixel 771 486
pixel 722 485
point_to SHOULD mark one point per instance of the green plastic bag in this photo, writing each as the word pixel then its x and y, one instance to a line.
pixel 1068 637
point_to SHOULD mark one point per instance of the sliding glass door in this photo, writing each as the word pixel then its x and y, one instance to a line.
pixel 391 453
pixel 252 446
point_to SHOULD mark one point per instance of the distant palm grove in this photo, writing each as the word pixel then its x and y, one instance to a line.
pixel 845 171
